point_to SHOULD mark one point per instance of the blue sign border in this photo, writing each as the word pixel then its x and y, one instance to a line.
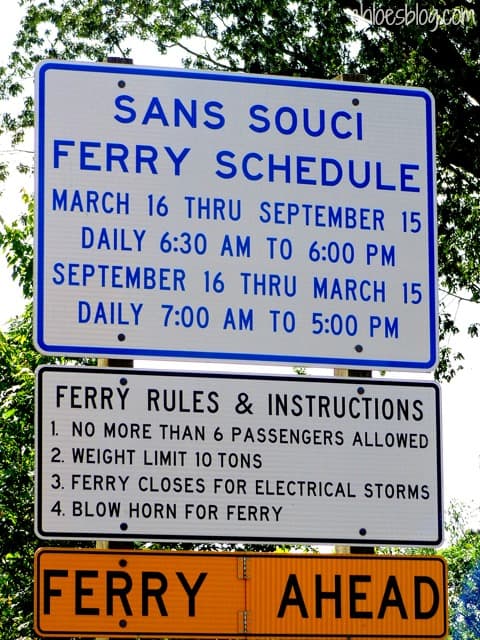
pixel 126 352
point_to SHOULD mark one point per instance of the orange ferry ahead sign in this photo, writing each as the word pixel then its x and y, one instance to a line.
pixel 236 595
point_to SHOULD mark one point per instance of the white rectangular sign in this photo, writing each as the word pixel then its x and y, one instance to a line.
pixel 224 216
pixel 215 457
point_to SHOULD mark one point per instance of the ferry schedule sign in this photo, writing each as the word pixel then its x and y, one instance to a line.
pixel 91 593
pixel 143 455
pixel 232 217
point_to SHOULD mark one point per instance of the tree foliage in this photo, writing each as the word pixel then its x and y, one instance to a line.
pixel 463 560
pixel 466 622
pixel 18 362
pixel 17 543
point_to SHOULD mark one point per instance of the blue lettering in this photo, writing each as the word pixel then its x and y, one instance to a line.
pixel 246 172
pixel 335 179
pixel 265 123
pixel 121 158
pixel 302 169
pixel 87 238
pixel 119 313
pixel 146 155
pixel 90 201
pixel 119 100
pixel 286 120
pixel 58 152
pixel 406 176
pixel 58 269
pixel 336 132
pixel 59 201
pixel 325 171
pixel 285 168
pixel 84 312
pixel 177 160
pixel 380 185
pixel 181 110
pixel 293 120
pixel 321 123
pixel 359 127
pixel 86 154
pixel 359 184
pixel 218 118
pixel 155 112
pixel 222 162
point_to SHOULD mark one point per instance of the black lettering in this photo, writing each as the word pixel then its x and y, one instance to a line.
pixel 157 592
pixel 120 591
pixel 48 592
pixel 355 596
pixel 322 595
pixel 419 613
pixel 288 601
pixel 81 591
pixel 191 591
pixel 396 601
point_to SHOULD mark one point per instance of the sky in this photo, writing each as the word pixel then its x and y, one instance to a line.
pixel 460 414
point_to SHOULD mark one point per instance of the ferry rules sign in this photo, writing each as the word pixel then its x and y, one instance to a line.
pixel 241 458
pixel 232 217
pixel 215 595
